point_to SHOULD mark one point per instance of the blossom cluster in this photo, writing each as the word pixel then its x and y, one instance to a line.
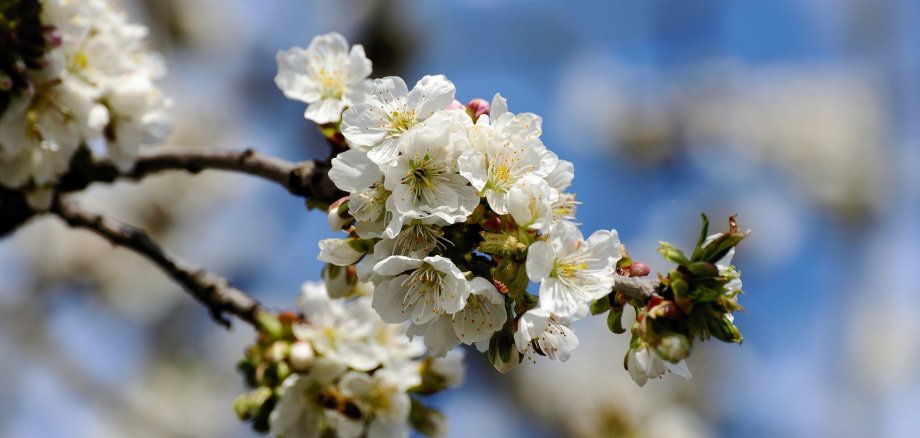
pixel 94 87
pixel 452 209
pixel 337 368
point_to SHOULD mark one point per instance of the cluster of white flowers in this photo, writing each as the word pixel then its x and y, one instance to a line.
pixel 97 88
pixel 353 372
pixel 425 175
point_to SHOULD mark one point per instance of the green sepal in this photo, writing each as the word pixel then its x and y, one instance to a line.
pixel 615 320
pixel 425 419
pixel 600 305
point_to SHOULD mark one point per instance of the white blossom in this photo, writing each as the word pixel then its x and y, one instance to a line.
pixel 530 203
pixel 326 75
pixel 344 331
pixel 644 363
pixel 424 179
pixel 503 150
pixel 296 414
pixel 570 270
pixel 421 290
pixel 98 84
pixel 353 172
pixel 383 395
pixel 541 332
pixel 482 315
pixel 391 110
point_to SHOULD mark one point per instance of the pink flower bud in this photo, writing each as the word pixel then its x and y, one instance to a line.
pixel 53 37
pixel 477 107
pixel 638 269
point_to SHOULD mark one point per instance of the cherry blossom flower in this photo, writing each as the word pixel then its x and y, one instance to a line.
pixel 538 331
pixel 391 110
pixel 326 75
pixel 424 179
pixel 572 271
pixel 644 363
pixel 420 290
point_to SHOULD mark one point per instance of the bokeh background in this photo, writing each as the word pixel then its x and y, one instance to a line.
pixel 802 116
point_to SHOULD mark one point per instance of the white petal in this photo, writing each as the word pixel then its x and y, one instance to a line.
pixel 361 125
pixel 679 368
pixel 388 298
pixel 531 325
pixel 540 261
pixel 431 94
pixel 338 252
pixel 499 106
pixel 359 67
pixel 472 165
pixel 395 265
pixel 353 171
pixel 325 111
pixel 558 299
pixel 440 337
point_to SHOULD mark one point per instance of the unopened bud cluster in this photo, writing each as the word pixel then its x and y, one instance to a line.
pixel 695 300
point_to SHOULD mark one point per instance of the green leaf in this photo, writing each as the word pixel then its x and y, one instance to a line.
pixel 704 233
pixel 672 254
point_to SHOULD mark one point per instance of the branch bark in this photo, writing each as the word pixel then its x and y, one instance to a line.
pixel 307 179
pixel 640 288
pixel 210 289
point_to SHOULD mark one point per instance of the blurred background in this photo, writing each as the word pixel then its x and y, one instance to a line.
pixel 802 116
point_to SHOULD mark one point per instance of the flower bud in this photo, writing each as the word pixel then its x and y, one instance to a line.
pixel 427 420
pixel 301 356
pixel 249 404
pixel 673 347
pixel 53 37
pixel 277 351
pixel 339 219
pixel 340 280
pixel 638 269
pixel 476 108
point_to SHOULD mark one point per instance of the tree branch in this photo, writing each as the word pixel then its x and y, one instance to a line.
pixel 640 288
pixel 210 289
pixel 308 179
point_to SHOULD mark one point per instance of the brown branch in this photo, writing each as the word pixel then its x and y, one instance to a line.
pixel 306 179
pixel 640 288
pixel 210 289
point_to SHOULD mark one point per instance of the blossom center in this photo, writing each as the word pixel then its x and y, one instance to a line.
pixel 331 84
pixel 401 121
pixel 423 175
pixel 568 269
pixel 424 286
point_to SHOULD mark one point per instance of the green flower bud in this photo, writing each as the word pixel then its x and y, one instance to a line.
pixel 673 347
